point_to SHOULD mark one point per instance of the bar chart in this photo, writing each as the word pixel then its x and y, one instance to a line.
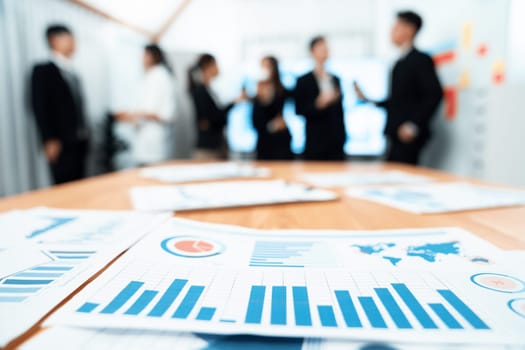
pixel 19 287
pixel 382 305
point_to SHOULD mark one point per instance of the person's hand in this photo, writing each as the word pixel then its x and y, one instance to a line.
pixel 242 97
pixel 52 150
pixel 126 117
pixel 360 95
pixel 326 99
pixel 278 124
pixel 407 132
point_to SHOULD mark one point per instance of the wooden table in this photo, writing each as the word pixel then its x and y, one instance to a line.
pixel 505 227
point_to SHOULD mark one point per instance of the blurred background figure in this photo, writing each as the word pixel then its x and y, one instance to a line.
pixel 58 106
pixel 318 99
pixel 273 136
pixel 155 112
pixel 211 118
pixel 414 94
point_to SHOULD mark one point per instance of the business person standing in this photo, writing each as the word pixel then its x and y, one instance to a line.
pixel 414 95
pixel 273 136
pixel 58 107
pixel 156 110
pixel 319 100
pixel 211 117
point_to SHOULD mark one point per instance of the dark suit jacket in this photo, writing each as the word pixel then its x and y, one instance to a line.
pixel 208 111
pixel 271 145
pixel 325 129
pixel 415 93
pixel 58 113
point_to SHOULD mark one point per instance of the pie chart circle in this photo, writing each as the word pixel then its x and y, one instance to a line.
pixel 498 282
pixel 518 306
pixel 192 246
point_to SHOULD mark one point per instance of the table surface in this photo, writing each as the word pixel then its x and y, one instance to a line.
pixel 504 227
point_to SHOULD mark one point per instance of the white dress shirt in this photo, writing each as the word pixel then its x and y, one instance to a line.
pixel 153 140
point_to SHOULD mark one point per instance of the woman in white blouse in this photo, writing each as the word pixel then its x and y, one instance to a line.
pixel 155 114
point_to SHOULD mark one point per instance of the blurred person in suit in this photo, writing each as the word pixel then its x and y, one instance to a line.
pixel 414 95
pixel 273 136
pixel 156 111
pixel 211 116
pixel 58 106
pixel 318 98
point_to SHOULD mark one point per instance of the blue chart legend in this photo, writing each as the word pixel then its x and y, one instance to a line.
pixel 388 306
pixel 19 287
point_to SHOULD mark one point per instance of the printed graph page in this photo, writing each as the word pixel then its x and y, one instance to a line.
pixel 440 198
pixel 224 194
pixel 203 172
pixel 362 178
pixel 154 286
pixel 76 243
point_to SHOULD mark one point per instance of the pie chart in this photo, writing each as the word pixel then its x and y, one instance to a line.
pixel 192 246
pixel 498 282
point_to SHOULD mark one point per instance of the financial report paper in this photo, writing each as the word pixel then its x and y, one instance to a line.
pixel 203 172
pixel 77 244
pixel 360 178
pixel 216 279
pixel 224 194
pixel 440 197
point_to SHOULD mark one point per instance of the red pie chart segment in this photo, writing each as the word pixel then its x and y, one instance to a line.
pixel 192 247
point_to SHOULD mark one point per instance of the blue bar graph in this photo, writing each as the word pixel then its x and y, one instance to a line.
pixel 278 315
pixel 189 301
pixel 392 308
pixel 394 304
pixel 19 289
pixel 11 299
pixel 39 274
pixel 122 297
pixel 206 314
pixel 415 307
pixel 372 312
pixel 26 282
pixel 279 254
pixel 168 297
pixel 347 308
pixel 301 306
pixel 445 316
pixel 255 305
pixel 87 308
pixel 463 309
pixel 327 316
pixel 141 303
pixel 52 268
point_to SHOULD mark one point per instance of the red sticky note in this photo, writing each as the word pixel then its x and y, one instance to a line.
pixel 451 102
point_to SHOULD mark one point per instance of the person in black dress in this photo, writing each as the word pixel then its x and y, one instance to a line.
pixel 211 118
pixel 273 136
pixel 58 106
pixel 415 94
pixel 319 99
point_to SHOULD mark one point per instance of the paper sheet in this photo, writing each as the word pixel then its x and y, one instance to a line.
pixel 359 178
pixel 223 194
pixel 196 278
pixel 440 197
pixel 203 172
pixel 78 244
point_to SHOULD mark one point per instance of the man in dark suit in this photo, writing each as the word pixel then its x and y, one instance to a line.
pixel 415 94
pixel 319 100
pixel 58 107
